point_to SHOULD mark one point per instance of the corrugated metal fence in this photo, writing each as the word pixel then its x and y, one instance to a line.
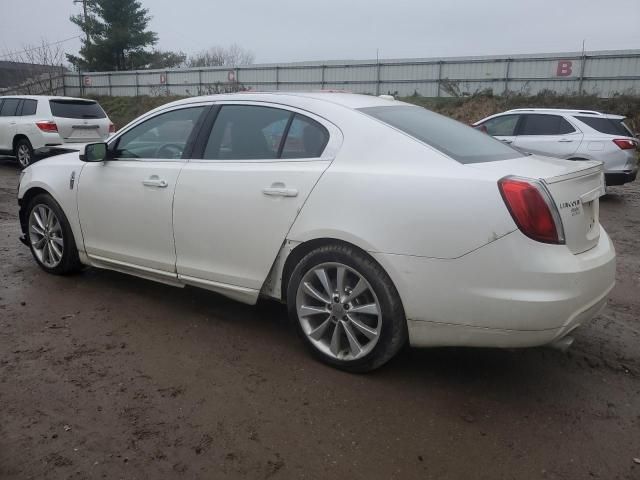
pixel 604 73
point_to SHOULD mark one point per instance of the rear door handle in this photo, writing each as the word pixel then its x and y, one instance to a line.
pixel 280 190
pixel 155 181
pixel 565 140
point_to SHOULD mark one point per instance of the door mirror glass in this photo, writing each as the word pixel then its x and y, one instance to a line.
pixel 94 152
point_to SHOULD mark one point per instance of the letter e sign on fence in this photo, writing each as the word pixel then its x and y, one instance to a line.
pixel 564 68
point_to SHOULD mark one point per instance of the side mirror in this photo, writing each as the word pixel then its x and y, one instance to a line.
pixel 94 152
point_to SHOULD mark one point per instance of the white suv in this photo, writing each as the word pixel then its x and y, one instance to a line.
pixel 570 134
pixel 36 123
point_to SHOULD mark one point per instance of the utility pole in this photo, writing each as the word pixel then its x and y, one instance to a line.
pixel 84 10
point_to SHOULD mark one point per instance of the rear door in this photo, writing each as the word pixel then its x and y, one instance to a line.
pixel 235 205
pixel 503 127
pixel 547 134
pixel 79 120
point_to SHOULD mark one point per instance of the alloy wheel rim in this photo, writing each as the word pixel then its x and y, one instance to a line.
pixel 339 311
pixel 23 155
pixel 45 235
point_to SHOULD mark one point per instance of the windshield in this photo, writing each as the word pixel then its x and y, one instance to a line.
pixel 460 142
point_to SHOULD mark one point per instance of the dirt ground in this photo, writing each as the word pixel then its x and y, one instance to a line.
pixel 108 376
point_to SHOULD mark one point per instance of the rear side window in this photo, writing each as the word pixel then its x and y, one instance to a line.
pixel 76 109
pixel 533 124
pixel 457 140
pixel 306 139
pixel 9 107
pixel 503 126
pixel 607 125
pixel 29 107
pixel 247 132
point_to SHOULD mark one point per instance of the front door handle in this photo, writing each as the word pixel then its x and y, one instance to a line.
pixel 506 140
pixel 155 181
pixel 565 140
pixel 280 190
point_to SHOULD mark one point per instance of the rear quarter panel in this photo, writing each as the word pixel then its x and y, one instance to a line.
pixel 388 193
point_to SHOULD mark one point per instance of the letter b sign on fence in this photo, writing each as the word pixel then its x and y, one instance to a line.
pixel 564 68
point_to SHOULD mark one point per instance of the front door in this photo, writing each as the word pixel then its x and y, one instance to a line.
pixel 234 207
pixel 125 203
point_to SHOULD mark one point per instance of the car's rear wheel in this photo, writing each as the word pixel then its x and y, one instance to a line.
pixel 50 237
pixel 23 152
pixel 346 308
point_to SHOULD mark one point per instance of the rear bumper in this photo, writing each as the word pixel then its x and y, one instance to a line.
pixel 514 292
pixel 620 178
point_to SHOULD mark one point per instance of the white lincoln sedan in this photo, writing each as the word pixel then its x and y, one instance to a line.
pixel 377 222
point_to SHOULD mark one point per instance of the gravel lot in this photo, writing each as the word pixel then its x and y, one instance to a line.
pixel 108 376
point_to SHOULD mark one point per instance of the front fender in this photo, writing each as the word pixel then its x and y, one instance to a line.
pixel 57 176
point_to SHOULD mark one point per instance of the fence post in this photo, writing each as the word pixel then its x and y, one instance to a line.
pixel 277 77
pixel 166 82
pixel 200 82
pixel 506 77
pixel 439 77
pixel 377 77
pixel 80 86
pixel 582 69
pixel 64 84
pixel 137 85
pixel 322 80
pixel 110 86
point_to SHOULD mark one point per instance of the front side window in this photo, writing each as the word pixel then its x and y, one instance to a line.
pixel 9 107
pixel 503 126
pixel 457 140
pixel 537 124
pixel 164 136
pixel 246 132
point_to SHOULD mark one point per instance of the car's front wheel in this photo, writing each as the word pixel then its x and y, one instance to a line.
pixel 23 152
pixel 346 308
pixel 50 237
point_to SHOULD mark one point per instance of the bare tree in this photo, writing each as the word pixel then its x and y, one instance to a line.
pixel 35 70
pixel 218 56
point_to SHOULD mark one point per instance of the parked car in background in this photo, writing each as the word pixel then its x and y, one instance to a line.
pixel 30 124
pixel 570 134
pixel 376 222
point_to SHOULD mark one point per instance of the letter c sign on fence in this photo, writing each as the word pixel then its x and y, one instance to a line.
pixel 564 68
pixel 163 78
pixel 231 76
pixel 86 81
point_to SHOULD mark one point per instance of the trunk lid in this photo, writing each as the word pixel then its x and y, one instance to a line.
pixel 575 187
pixel 79 120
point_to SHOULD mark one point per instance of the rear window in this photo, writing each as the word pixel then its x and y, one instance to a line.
pixel 457 140
pixel 76 109
pixel 607 125
pixel 9 107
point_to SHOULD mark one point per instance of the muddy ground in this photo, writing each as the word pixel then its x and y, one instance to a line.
pixel 108 376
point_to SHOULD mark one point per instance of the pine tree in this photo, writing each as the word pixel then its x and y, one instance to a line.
pixel 116 36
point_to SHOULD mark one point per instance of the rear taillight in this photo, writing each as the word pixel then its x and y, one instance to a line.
pixel 625 143
pixel 112 128
pixel 532 208
pixel 47 126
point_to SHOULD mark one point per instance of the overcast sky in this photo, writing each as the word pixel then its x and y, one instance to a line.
pixel 298 30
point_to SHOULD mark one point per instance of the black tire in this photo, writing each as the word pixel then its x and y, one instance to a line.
pixel 393 335
pixel 69 262
pixel 23 152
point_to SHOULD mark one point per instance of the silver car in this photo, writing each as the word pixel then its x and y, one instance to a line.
pixel 570 134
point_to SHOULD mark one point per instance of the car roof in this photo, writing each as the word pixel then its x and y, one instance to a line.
pixel 349 100
pixel 46 97
pixel 567 111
